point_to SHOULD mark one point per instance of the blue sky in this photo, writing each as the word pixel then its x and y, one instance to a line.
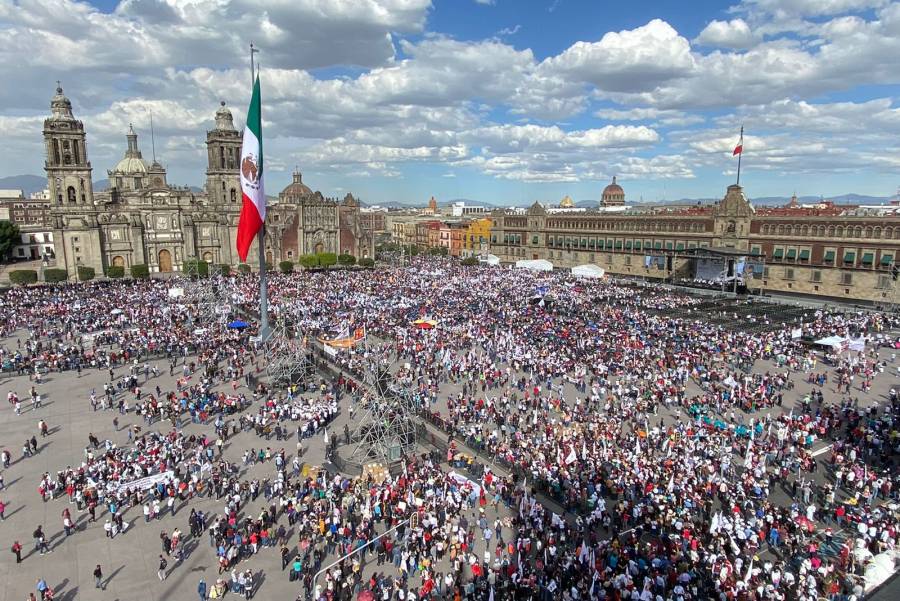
pixel 501 101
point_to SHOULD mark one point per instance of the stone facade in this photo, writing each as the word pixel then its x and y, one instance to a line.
pixel 827 250
pixel 142 219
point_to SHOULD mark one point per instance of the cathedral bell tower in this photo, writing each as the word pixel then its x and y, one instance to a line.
pixel 76 234
pixel 223 147
pixel 67 166
pixel 223 184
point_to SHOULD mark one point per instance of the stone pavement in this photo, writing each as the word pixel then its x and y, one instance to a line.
pixel 130 560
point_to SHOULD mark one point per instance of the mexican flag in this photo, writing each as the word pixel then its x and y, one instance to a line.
pixel 253 210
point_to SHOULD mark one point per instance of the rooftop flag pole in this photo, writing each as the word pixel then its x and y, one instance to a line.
pixel 739 150
pixel 253 210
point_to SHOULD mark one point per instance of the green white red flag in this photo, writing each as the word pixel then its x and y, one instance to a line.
pixel 253 209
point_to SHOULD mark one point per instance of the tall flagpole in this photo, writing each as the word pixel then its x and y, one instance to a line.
pixel 261 236
pixel 740 154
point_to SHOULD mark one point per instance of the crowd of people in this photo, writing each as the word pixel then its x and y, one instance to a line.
pixel 632 452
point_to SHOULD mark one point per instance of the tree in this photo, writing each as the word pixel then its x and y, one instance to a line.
pixel 438 251
pixel 54 276
pixel 326 259
pixel 367 262
pixel 309 261
pixel 86 274
pixel 21 277
pixel 115 271
pixel 286 266
pixel 223 269
pixel 9 237
pixel 469 261
pixel 244 268
pixel 140 271
pixel 346 260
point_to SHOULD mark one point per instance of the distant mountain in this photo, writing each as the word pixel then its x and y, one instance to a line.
pixel 27 183
pixel 587 204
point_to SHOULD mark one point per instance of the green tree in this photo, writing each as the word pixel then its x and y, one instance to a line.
pixel 367 262
pixel 244 268
pixel 286 266
pixel 86 274
pixel 346 260
pixel 115 271
pixel 9 237
pixel 469 261
pixel 21 277
pixel 309 261
pixel 223 269
pixel 327 259
pixel 438 251
pixel 140 271
pixel 54 276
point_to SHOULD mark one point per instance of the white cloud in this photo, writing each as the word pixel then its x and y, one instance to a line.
pixel 664 117
pixel 727 34
pixel 781 9
pixel 628 61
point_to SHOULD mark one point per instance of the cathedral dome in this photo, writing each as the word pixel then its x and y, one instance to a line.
pixel 566 203
pixel 612 194
pixel 297 189
pixel 132 162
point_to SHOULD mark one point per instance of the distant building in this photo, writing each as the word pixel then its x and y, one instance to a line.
pixel 613 195
pixel 845 252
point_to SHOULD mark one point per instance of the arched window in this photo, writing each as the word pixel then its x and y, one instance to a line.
pixel 780 230
pixel 71 194
pixel 56 151
pixel 222 157
pixel 869 232
pixel 876 233
pixel 233 195
pixel 857 232
pixel 839 232
pixel 75 152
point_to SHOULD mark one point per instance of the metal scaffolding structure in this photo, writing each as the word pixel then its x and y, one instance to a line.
pixel 287 357
pixel 386 430
pixel 205 296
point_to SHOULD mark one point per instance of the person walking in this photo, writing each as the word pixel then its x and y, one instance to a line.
pixel 201 590
pixel 161 573
pixel 17 551
pixel 41 587
pixel 98 577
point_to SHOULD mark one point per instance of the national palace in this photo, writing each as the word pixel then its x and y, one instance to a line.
pixel 839 251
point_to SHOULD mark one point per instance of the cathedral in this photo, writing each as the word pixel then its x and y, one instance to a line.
pixel 142 219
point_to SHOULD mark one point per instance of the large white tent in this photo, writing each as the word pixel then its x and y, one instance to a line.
pixel 490 260
pixel 588 270
pixel 535 265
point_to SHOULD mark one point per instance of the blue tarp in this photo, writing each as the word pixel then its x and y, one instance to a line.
pixel 238 325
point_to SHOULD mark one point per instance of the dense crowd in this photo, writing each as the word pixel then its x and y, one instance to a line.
pixel 639 453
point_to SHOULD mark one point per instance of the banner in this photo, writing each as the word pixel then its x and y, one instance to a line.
pixel 146 482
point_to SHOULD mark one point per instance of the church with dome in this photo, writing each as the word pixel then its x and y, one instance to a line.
pixel 143 219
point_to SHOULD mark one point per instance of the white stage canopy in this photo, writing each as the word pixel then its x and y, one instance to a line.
pixel 588 270
pixel 535 265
